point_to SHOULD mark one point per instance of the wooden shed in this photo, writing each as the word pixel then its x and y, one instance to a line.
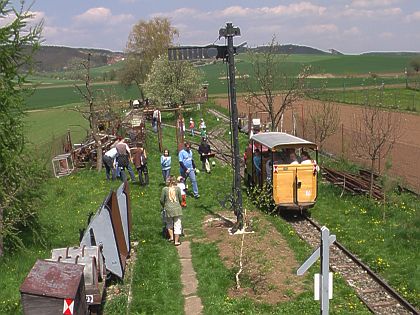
pixel 54 288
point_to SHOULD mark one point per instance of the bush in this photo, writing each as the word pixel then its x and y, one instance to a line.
pixel 262 198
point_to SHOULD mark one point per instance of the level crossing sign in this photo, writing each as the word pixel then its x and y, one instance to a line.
pixel 324 282
pixel 68 307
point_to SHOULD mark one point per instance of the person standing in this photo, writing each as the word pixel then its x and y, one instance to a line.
pixel 170 200
pixel 165 162
pixel 187 167
pixel 140 162
pixel 204 150
pixel 181 184
pixel 202 128
pixel 123 159
pixel 257 160
pixel 109 162
pixel 192 126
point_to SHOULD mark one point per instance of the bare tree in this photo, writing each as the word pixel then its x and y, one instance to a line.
pixel 269 86
pixel 377 131
pixel 90 112
pixel 325 119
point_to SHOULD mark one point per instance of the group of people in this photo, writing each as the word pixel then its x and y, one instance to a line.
pixel 173 196
pixel 202 127
pixel 285 157
pixel 118 159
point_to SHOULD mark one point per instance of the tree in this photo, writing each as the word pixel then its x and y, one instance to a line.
pixel 415 64
pixel 18 45
pixel 269 87
pixel 172 82
pixel 377 131
pixel 90 111
pixel 146 42
pixel 325 119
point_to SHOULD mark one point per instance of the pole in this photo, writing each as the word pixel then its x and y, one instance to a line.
pixel 159 128
pixel 325 271
pixel 303 124
pixel 229 32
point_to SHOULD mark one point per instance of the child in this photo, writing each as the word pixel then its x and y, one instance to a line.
pixel 192 126
pixel 181 186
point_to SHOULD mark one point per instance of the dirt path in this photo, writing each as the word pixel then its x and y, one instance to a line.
pixel 268 262
pixel 193 305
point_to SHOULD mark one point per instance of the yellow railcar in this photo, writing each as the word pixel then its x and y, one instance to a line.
pixel 284 162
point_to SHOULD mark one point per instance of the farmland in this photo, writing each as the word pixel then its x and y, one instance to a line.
pixel 331 71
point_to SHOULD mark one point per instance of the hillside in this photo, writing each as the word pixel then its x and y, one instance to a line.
pixel 55 58
pixel 292 49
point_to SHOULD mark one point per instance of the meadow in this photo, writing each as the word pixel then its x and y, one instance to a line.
pixel 156 279
pixel 357 221
pixel 330 71
pixel 392 98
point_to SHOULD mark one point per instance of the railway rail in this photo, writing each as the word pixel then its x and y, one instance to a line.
pixel 371 289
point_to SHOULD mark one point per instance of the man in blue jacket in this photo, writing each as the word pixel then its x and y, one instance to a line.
pixel 187 167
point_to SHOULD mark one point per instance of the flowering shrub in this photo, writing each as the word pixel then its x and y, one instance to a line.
pixel 262 198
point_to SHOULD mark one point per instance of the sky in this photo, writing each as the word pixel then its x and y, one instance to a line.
pixel 350 26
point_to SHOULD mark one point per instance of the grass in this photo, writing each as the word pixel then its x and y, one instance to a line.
pixel 156 285
pixel 347 70
pixel 58 95
pixel 52 92
pixel 44 125
pixel 397 99
pixel 389 246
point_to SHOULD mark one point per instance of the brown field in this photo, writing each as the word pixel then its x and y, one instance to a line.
pixel 403 155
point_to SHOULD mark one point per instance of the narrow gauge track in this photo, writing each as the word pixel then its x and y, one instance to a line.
pixel 374 292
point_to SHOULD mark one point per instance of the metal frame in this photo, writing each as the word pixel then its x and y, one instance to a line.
pixel 56 163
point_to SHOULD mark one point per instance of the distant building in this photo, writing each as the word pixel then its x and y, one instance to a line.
pixel 334 52
pixel 114 59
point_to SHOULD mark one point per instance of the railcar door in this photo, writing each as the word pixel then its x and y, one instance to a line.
pixel 294 185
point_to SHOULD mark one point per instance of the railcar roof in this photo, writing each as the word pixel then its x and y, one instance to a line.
pixel 281 139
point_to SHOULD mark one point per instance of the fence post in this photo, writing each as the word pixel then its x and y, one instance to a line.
pixel 342 140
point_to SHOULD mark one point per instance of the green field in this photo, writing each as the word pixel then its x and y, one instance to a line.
pixel 43 125
pixel 58 95
pixel 396 99
pixel 351 71
pixel 330 71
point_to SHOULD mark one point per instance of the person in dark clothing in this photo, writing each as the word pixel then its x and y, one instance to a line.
pixel 204 150
pixel 140 162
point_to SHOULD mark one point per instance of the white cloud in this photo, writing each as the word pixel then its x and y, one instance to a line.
pixel 415 16
pixel 372 3
pixel 321 29
pixel 35 18
pixel 101 15
pixel 351 31
pixel 303 8
pixel 386 35
pixel 377 13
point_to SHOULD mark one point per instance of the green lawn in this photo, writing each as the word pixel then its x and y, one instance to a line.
pixel 44 125
pixel 67 201
pixel 397 99
pixel 386 237
pixel 57 95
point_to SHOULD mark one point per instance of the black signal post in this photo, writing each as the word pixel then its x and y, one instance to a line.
pixel 226 53
pixel 229 32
